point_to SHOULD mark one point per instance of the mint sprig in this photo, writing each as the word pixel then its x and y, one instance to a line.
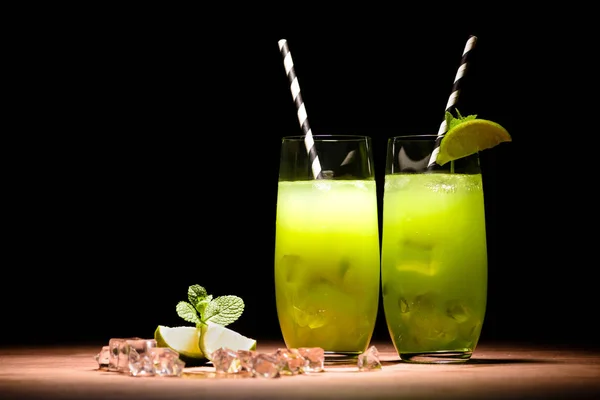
pixel 452 121
pixel 202 307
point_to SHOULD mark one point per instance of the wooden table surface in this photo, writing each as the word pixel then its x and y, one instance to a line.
pixel 497 371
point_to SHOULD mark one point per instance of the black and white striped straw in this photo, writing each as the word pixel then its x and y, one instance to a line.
pixel 302 116
pixel 452 99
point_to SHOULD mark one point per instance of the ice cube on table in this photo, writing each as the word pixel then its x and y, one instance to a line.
pixel 265 366
pixel 166 361
pixel 140 365
pixel 103 358
pixel 246 358
pixel 226 361
pixel 120 348
pixel 314 359
pixel 156 361
pixel 289 360
pixel 369 360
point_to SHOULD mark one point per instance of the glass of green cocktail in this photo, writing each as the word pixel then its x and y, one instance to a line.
pixel 434 257
pixel 327 260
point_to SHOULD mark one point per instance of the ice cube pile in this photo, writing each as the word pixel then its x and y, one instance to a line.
pixel 141 357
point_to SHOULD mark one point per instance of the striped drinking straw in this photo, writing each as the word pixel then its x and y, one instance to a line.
pixel 302 116
pixel 452 100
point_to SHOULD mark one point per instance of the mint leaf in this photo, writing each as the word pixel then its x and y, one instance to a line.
pixel 449 118
pixel 196 293
pixel 202 307
pixel 187 312
pixel 224 310
pixel 452 121
pixel 202 304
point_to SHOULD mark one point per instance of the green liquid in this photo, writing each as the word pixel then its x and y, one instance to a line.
pixel 327 264
pixel 434 262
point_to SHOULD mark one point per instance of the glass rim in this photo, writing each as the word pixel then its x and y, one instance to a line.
pixel 415 137
pixel 328 138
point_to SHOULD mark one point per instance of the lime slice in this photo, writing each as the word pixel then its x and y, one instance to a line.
pixel 215 336
pixel 469 138
pixel 183 339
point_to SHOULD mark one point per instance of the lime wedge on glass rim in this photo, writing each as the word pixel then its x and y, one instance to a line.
pixel 215 336
pixel 470 137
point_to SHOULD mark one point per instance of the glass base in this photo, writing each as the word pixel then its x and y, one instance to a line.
pixel 437 357
pixel 341 357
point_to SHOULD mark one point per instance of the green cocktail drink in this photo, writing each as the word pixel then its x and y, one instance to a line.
pixel 434 262
pixel 434 254
pixel 327 260
pixel 327 263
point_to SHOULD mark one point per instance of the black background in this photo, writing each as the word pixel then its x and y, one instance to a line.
pixel 149 147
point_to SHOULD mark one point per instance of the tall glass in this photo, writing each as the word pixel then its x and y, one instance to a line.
pixel 434 256
pixel 327 260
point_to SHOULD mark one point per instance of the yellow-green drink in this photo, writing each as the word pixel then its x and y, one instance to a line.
pixel 327 262
pixel 434 263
